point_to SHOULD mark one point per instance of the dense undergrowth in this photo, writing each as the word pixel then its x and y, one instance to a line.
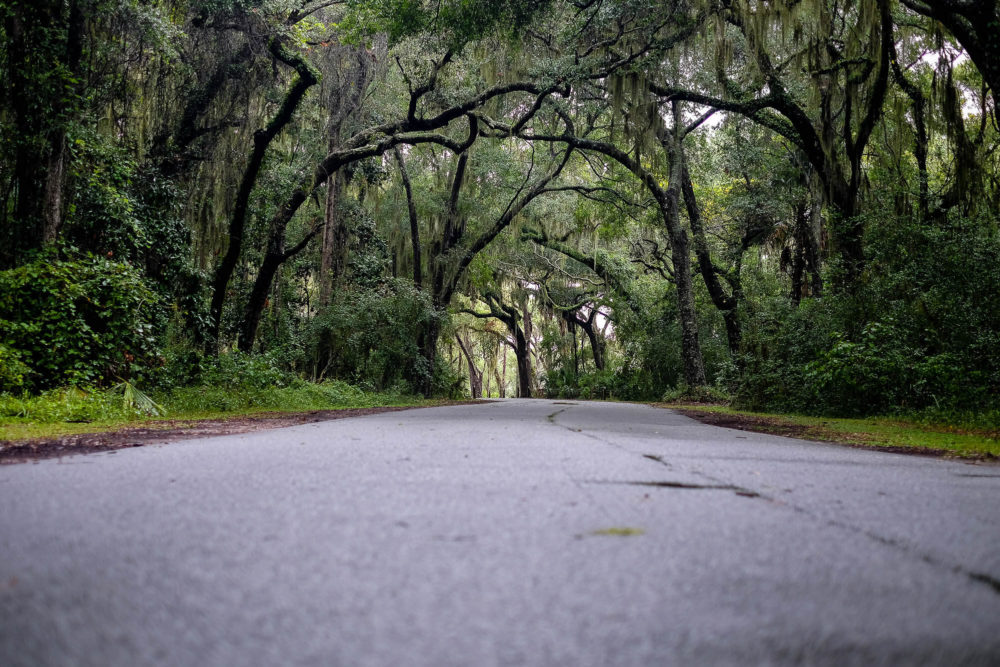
pixel 231 384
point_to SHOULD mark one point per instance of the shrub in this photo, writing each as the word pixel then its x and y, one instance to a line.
pixel 920 332
pixel 12 369
pixel 369 337
pixel 597 384
pixel 89 321
pixel 68 404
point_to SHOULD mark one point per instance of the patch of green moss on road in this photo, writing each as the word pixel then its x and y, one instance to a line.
pixel 618 531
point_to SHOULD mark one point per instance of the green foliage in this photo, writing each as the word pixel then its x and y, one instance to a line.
pixel 212 398
pixel 369 336
pixel 186 366
pixel 247 371
pixel 918 334
pixel 240 382
pixel 126 212
pixel 458 21
pixel 79 322
pixel 12 370
pixel 563 383
pixel 74 405
pixel 976 438
pixel 132 214
pixel 67 404
pixel 695 395
pixel 125 131
pixel 138 401
pixel 369 251
pixel 446 382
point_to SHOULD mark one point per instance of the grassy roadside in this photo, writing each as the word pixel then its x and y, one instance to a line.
pixel 72 412
pixel 887 433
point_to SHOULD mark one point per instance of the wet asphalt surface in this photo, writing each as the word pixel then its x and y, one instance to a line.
pixel 509 533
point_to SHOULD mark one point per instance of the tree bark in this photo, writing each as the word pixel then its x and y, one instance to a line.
pixel 418 272
pixel 349 71
pixel 42 99
pixel 594 263
pixel 518 341
pixel 589 327
pixel 275 256
pixel 475 376
pixel 834 145
pixel 306 78
pixel 445 270
pixel 921 140
pixel 333 254
pixel 523 354
pixel 596 344
pixel 501 374
pixel 727 304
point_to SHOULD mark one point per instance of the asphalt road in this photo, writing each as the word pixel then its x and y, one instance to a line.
pixel 511 533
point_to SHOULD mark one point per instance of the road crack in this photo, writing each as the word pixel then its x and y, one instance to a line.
pixel 738 490
pixel 907 549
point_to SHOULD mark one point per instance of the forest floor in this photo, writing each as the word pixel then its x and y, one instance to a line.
pixel 159 431
pixel 886 434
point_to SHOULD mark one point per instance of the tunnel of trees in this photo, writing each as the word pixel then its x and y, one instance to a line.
pixel 792 203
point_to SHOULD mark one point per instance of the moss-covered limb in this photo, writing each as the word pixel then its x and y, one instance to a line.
pixel 513 209
pixel 426 87
pixel 597 263
pixel 307 76
pixel 920 148
pixel 667 203
pixel 841 171
pixel 378 140
pixel 451 236
pixel 760 109
pixel 411 210
pixel 727 304
pixel 588 324
pixel 276 253
pixel 171 152
pixel 976 26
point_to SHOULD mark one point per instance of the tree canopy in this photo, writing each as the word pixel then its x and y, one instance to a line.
pixel 793 203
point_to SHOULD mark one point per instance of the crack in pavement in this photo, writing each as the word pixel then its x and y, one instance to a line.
pixel 580 487
pixel 992 582
pixel 908 549
pixel 738 490
pixel 552 417
pixel 659 459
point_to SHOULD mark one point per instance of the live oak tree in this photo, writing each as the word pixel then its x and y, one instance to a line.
pixel 793 200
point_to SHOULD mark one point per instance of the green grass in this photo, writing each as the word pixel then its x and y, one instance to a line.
pixel 967 437
pixel 73 411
